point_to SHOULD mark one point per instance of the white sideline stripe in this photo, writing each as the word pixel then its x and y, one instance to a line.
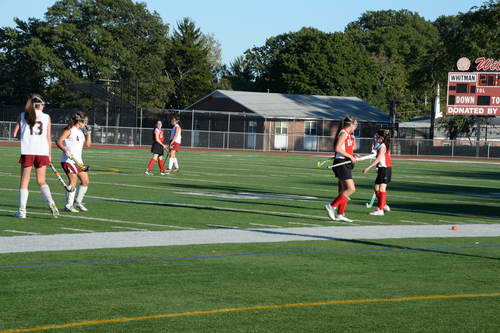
pixel 413 222
pixel 129 228
pixel 98 219
pixel 22 232
pixel 265 225
pixel 308 224
pixel 75 229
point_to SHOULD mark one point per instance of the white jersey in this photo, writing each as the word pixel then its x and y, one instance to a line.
pixel 34 139
pixel 74 143
pixel 172 134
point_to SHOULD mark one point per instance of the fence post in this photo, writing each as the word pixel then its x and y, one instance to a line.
pixel 452 148
pixel 488 154
pixel 417 146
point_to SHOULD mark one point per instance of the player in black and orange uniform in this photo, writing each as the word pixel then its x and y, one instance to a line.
pixel 157 148
pixel 384 171
pixel 345 144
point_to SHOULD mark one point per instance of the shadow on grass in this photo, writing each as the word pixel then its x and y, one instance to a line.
pixel 473 209
pixel 372 243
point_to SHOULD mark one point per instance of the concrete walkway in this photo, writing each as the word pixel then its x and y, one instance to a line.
pixel 105 240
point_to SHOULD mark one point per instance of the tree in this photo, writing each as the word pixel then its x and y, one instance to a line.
pixel 88 40
pixel 189 64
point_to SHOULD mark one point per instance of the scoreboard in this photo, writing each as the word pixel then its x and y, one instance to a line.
pixel 473 94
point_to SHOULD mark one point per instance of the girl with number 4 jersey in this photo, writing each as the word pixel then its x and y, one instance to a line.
pixel 384 170
pixel 36 146
pixel 74 137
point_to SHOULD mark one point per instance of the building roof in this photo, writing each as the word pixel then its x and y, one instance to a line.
pixel 291 106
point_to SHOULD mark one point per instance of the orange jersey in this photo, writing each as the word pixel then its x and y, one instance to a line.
pixel 158 132
pixel 348 145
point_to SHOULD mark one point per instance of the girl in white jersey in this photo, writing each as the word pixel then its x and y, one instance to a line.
pixel 71 141
pixel 35 135
pixel 384 170
pixel 175 144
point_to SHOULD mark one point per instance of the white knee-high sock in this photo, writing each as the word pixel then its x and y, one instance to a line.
pixel 23 199
pixel 81 193
pixel 170 163
pixel 176 165
pixel 45 189
pixel 70 198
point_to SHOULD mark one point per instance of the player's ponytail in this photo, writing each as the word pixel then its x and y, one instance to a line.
pixel 30 114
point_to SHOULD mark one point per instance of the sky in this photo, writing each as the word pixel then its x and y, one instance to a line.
pixel 241 24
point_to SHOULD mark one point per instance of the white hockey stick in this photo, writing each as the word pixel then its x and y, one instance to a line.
pixel 61 180
pixel 367 157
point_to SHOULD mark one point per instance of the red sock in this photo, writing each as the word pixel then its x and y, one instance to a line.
pixel 381 201
pixel 151 163
pixel 161 164
pixel 337 200
pixel 343 205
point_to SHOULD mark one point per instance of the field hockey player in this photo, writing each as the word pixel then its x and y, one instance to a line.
pixel 157 149
pixel 384 171
pixel 71 141
pixel 174 144
pixel 344 144
pixel 34 127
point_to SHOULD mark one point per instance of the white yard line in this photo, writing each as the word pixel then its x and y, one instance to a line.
pixel 307 224
pixel 265 225
pixel 98 219
pixel 22 232
pixel 412 222
pixel 129 228
pixel 75 229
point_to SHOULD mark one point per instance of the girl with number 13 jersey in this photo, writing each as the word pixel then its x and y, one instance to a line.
pixel 36 141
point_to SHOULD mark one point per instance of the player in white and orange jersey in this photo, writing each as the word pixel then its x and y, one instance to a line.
pixel 74 137
pixel 174 144
pixel 34 129
pixel 157 148
pixel 345 144
pixel 384 171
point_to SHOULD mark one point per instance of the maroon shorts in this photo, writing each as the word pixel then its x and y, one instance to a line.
pixel 71 168
pixel 175 146
pixel 37 161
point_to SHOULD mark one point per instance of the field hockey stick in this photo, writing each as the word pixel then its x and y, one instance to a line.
pixel 319 164
pixel 372 201
pixel 61 180
pixel 82 166
pixel 367 157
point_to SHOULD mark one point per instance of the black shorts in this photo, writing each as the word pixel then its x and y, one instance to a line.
pixel 157 148
pixel 384 175
pixel 343 172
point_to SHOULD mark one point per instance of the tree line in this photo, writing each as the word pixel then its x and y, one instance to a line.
pixel 383 56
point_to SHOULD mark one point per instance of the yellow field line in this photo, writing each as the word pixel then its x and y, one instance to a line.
pixel 244 308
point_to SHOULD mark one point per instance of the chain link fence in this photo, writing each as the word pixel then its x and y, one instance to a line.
pixel 132 136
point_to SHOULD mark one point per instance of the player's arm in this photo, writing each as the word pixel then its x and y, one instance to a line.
pixel 88 136
pixel 16 129
pixel 60 141
pixel 49 138
pixel 340 150
pixel 380 154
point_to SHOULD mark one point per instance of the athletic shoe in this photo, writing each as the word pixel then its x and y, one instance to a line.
pixel 331 211
pixel 19 215
pixel 378 212
pixel 71 209
pixel 54 210
pixel 175 170
pixel 147 172
pixel 343 218
pixel 81 207
pixel 387 208
pixel 165 172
